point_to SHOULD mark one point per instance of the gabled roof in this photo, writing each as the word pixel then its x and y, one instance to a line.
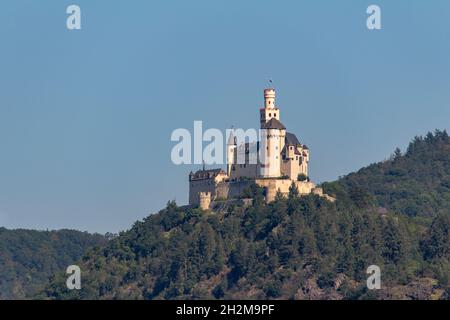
pixel 273 124
pixel 291 140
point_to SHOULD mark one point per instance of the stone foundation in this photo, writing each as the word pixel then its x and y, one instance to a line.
pixel 227 190
pixel 272 186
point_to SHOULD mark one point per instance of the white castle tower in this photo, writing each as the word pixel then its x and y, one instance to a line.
pixel 282 162
pixel 231 150
pixel 270 110
pixel 273 134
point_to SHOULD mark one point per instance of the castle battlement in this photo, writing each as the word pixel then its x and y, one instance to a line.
pixel 282 160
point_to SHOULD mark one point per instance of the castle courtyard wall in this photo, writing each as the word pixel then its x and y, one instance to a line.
pixel 195 187
pixel 232 189
pixel 274 185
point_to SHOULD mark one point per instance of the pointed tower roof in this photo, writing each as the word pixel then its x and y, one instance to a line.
pixel 291 140
pixel 231 138
pixel 273 124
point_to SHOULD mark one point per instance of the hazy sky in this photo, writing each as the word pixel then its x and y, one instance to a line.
pixel 86 116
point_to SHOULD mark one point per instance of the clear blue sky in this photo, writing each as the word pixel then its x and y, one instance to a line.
pixel 86 116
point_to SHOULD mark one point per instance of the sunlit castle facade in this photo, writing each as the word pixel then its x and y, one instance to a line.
pixel 283 155
pixel 276 162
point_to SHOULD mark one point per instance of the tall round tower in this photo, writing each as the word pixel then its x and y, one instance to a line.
pixel 270 110
pixel 269 98
pixel 273 133
pixel 231 153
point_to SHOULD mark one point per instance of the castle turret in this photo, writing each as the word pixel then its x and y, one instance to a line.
pixel 275 162
pixel 204 200
pixel 269 98
pixel 270 110
pixel 273 134
pixel 231 151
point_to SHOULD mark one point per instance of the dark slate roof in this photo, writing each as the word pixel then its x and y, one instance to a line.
pixel 213 171
pixel 273 124
pixel 291 140
pixel 205 174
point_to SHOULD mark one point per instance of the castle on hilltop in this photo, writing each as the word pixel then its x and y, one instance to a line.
pixel 276 162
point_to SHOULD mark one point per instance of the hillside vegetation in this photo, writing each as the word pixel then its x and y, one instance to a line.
pixel 28 258
pixel 414 184
pixel 394 214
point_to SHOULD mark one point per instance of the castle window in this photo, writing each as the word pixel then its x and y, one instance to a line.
pixel 270 114
pixel 275 115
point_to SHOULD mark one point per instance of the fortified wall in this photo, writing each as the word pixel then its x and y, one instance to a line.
pixel 285 162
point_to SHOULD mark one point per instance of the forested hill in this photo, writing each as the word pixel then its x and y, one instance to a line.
pixel 415 184
pixel 28 258
pixel 392 214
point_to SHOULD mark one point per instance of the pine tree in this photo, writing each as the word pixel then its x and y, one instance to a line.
pixel 293 191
